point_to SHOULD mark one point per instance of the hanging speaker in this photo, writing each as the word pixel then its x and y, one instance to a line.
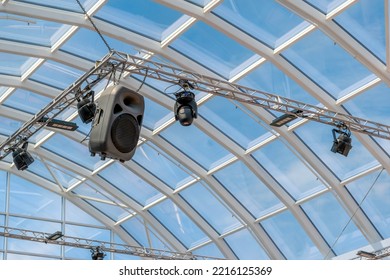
pixel 117 123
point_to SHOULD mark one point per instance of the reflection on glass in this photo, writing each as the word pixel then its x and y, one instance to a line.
pixel 327 64
pixel 196 144
pixel 3 189
pixel 130 184
pixel 372 192
pixel 211 48
pixel 177 222
pixel 210 250
pixel 75 215
pixel 248 189
pixel 261 21
pixel 139 16
pixel 26 101
pixel 245 246
pixel 290 237
pixel 331 220
pixel 11 64
pixel 232 121
pixel 144 234
pixel 210 208
pixel 161 165
pixel 325 6
pixel 290 172
pixel 366 22
pixel 29 199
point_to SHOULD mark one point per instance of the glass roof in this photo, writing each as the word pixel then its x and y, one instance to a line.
pixel 230 185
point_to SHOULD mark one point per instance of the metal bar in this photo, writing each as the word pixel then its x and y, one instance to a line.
pixel 105 246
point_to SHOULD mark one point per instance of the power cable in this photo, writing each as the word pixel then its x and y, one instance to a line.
pixel 94 26
pixel 350 219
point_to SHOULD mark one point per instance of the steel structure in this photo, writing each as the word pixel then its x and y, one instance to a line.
pixel 117 64
pixel 89 244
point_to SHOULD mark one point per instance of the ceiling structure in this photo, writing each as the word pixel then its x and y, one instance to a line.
pixel 230 185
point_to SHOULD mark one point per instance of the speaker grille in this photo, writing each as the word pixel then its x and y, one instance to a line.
pixel 124 133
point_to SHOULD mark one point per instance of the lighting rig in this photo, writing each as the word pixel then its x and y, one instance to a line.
pixel 116 64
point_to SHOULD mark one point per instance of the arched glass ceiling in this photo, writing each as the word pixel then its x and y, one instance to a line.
pixel 229 186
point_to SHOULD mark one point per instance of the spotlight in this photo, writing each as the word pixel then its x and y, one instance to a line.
pixel 341 144
pixel 366 255
pixel 55 236
pixel 185 108
pixel 86 109
pixel 97 253
pixel 22 159
pixel 286 118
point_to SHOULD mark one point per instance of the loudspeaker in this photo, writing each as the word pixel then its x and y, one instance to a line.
pixel 117 123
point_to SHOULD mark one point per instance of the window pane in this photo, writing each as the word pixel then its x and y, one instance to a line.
pixel 245 246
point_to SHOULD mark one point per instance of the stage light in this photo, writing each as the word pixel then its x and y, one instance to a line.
pixel 55 236
pixel 286 118
pixel 341 144
pixel 21 158
pixel 97 253
pixel 185 108
pixel 86 109
pixel 366 255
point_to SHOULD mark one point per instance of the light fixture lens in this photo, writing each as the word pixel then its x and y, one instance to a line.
pixel 22 159
pixel 86 110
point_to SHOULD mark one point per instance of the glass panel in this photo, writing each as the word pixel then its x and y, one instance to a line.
pixel 261 21
pixel 245 246
pixel 235 123
pixel 365 20
pixel 155 114
pixel 34 225
pixel 76 215
pixel 8 126
pixel 28 30
pixel 3 191
pixel 331 220
pixel 11 256
pixel 248 189
pixel 319 139
pixel 196 145
pixel 210 250
pixel 65 177
pixel 205 202
pixel 26 246
pixel 87 44
pixel 143 234
pixel 132 185
pixel 11 64
pixel 113 211
pixel 293 175
pixel 29 199
pixel 327 64
pixel 177 222
pixel 373 194
pixel 139 16
pixel 63 4
pixel 38 168
pixel 161 165
pixel 289 236
pixel 211 48
pixel 325 5
pixel 90 233
pixel 73 151
pixel 363 106
pixel 26 101
pixel 56 75
pixel 200 3
pixel 270 79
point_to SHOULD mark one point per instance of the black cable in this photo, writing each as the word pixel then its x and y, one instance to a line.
pixel 350 219
pixel 94 26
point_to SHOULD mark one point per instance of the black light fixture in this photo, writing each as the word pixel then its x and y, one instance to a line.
pixel 21 158
pixel 87 108
pixel 55 236
pixel 59 124
pixel 286 118
pixel 342 143
pixel 185 108
pixel 97 253
pixel 366 255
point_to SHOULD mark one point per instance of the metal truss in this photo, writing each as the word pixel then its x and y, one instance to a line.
pixel 93 244
pixel 117 64
pixel 377 255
